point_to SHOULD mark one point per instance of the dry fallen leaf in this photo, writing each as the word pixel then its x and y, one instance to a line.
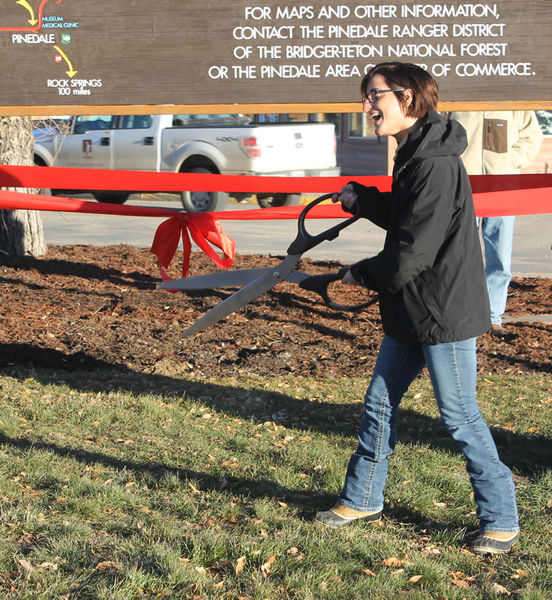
pixel 415 578
pixel 431 550
pixel 519 574
pixel 295 553
pixel 368 572
pixel 461 580
pixel 240 565
pixel 108 565
pixel 26 566
pixel 266 568
pixel 393 561
pixel 194 489
pixel 496 588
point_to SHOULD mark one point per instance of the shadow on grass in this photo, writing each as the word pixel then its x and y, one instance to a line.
pixel 202 481
pixel 307 502
pixel 526 455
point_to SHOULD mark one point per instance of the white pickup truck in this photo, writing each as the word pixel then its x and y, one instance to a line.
pixel 225 144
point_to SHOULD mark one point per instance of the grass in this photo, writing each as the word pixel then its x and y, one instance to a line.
pixel 119 485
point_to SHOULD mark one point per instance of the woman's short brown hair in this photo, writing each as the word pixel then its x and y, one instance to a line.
pixel 425 90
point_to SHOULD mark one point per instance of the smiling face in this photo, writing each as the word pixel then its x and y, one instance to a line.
pixel 386 111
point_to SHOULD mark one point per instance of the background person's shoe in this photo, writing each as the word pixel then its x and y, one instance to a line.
pixel 499 331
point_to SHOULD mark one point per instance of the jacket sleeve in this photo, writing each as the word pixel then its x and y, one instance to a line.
pixel 374 205
pixel 426 215
pixel 528 142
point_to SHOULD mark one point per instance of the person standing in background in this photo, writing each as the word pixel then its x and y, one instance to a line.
pixel 499 143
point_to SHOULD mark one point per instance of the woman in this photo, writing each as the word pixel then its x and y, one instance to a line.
pixel 433 302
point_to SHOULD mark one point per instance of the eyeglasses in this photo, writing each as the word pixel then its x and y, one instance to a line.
pixel 373 95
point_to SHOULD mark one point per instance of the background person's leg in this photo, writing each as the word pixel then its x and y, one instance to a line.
pixel 498 235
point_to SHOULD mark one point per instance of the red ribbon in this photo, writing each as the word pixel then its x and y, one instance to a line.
pixel 204 230
pixel 66 178
pixel 494 195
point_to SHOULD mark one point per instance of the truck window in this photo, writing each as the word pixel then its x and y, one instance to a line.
pixel 136 122
pixel 209 120
pixel 85 123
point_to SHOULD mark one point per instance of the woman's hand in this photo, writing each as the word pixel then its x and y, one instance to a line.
pixel 347 196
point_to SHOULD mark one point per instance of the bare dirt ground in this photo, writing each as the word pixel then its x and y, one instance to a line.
pixel 82 307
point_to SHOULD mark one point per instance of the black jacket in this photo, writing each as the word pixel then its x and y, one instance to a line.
pixel 430 273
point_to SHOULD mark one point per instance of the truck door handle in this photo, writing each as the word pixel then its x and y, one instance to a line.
pixel 105 141
pixel 149 140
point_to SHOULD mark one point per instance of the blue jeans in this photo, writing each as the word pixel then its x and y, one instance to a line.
pixel 498 235
pixel 452 368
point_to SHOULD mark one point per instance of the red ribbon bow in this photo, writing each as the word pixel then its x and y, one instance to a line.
pixel 205 231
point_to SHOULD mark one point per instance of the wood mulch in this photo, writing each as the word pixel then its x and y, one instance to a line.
pixel 86 307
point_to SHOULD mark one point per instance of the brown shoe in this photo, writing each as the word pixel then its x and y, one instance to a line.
pixel 340 515
pixel 500 332
pixel 491 542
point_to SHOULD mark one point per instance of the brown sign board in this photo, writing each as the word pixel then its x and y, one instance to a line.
pixel 66 54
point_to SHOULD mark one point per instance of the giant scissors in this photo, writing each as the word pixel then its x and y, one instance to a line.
pixel 255 282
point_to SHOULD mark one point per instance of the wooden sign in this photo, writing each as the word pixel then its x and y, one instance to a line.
pixel 69 54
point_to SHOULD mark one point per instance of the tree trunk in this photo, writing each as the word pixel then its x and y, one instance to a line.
pixel 21 231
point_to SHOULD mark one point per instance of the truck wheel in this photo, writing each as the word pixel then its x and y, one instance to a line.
pixel 112 197
pixel 203 201
pixel 273 200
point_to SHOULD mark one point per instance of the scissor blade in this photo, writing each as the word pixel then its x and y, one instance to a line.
pixel 215 280
pixel 244 296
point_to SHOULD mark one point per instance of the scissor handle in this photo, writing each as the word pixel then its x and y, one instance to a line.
pixel 320 284
pixel 305 241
